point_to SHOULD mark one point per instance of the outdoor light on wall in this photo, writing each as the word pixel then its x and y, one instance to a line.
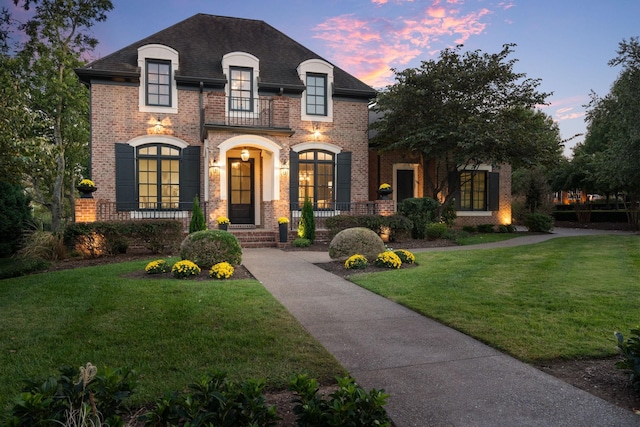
pixel 316 130
pixel 244 155
pixel 284 165
pixel 214 168
pixel 158 126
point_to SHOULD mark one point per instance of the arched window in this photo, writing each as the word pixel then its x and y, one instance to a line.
pixel 158 168
pixel 316 175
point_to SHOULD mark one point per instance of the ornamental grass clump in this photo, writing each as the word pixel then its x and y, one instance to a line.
pixel 221 271
pixel 158 266
pixel 405 256
pixel 185 269
pixel 356 262
pixel 388 259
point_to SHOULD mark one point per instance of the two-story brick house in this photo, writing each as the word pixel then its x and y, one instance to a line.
pixel 231 110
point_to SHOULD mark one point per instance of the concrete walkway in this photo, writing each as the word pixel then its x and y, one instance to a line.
pixel 435 375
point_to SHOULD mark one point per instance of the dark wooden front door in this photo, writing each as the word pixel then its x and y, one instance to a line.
pixel 241 192
pixel 404 184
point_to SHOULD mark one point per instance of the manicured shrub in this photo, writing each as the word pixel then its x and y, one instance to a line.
pixel 405 256
pixel 214 401
pixel 60 401
pixel 355 262
pixel 436 230
pixel 538 222
pixel 207 248
pixel 388 259
pixel 398 225
pixel 221 271
pixel 486 228
pixel 21 266
pixel 185 269
pixel 307 224
pixel 15 217
pixel 350 405
pixel 469 229
pixel 421 211
pixel 197 222
pixel 630 351
pixel 507 228
pixel 158 266
pixel 357 240
pixel 301 242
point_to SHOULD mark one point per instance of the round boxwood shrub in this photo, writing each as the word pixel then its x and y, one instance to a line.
pixel 209 247
pixel 358 240
pixel 537 222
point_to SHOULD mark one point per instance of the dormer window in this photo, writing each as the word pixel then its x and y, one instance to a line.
pixel 158 92
pixel 316 98
pixel 159 83
pixel 317 102
pixel 241 80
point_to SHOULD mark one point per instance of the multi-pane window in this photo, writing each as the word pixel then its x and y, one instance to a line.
pixel 241 98
pixel 158 177
pixel 473 191
pixel 316 94
pixel 159 83
pixel 315 178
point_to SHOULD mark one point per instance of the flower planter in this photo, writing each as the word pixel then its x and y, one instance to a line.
pixel 385 194
pixel 86 192
pixel 284 231
pixel 223 226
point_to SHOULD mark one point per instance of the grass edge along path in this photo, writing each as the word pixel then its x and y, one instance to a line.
pixel 562 298
pixel 172 332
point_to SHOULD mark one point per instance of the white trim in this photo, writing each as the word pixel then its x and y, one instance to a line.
pixel 158 214
pixel 481 167
pixel 317 66
pixel 326 146
pixel 243 60
pixel 157 139
pixel 405 166
pixel 163 53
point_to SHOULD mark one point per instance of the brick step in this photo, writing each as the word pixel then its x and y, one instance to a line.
pixel 255 238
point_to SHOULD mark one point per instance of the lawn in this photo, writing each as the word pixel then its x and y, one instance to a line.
pixel 563 298
pixel 172 332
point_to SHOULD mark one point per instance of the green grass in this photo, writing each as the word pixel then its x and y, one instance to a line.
pixel 479 238
pixel 563 298
pixel 172 332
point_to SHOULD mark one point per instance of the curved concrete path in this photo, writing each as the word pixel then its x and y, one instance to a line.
pixel 436 376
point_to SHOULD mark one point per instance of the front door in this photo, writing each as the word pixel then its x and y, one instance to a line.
pixel 241 191
pixel 404 184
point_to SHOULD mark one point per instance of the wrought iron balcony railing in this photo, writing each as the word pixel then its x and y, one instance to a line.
pixel 250 112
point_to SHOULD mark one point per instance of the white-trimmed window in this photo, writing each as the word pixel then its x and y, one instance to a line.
pixel 317 102
pixel 158 92
pixel 242 70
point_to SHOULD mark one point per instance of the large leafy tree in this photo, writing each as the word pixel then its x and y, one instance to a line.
pixel 613 130
pixel 463 110
pixel 58 38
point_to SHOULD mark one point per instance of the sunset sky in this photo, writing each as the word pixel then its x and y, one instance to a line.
pixel 566 43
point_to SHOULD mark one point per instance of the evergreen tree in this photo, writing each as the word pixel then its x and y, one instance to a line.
pixel 198 222
pixel 307 225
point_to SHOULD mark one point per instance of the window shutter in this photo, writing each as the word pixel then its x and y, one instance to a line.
pixel 126 194
pixel 343 181
pixel 494 191
pixel 189 176
pixel 454 188
pixel 294 176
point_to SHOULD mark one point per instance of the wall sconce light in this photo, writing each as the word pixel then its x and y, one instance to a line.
pixel 316 130
pixel 284 165
pixel 158 126
pixel 214 168
pixel 244 155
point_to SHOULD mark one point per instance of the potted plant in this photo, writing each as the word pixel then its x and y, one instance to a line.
pixel 86 187
pixel 283 226
pixel 223 222
pixel 384 191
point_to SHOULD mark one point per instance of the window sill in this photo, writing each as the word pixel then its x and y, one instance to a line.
pixel 158 214
pixel 474 213
pixel 158 109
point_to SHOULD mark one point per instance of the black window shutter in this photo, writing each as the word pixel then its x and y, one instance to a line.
pixel 189 176
pixel 343 181
pixel 293 180
pixel 494 191
pixel 126 194
pixel 454 188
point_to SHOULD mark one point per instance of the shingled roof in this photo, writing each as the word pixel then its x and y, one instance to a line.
pixel 202 40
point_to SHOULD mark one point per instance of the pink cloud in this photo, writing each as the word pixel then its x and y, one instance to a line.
pixel 369 48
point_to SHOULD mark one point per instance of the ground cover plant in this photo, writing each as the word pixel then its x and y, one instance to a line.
pixel 170 331
pixel 560 299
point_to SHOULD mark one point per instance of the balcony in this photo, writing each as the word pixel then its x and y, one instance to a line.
pixel 255 116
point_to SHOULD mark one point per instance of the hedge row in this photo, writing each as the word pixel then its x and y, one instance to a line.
pixel 397 224
pixel 109 238
pixel 596 216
